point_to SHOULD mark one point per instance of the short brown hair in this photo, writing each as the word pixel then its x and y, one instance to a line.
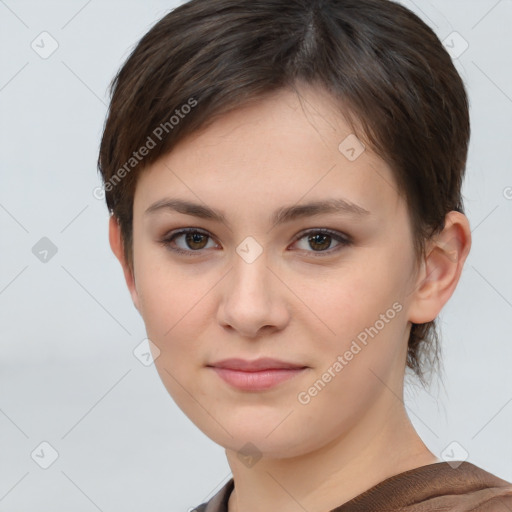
pixel 385 67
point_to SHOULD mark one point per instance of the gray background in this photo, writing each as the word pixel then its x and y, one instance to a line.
pixel 68 374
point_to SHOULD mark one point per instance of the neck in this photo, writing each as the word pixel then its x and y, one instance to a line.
pixel 382 444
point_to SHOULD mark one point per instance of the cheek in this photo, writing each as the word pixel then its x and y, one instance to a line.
pixel 363 307
pixel 168 302
pixel 353 299
pixel 174 313
pixel 364 310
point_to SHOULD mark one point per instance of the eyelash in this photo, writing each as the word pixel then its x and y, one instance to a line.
pixel 343 240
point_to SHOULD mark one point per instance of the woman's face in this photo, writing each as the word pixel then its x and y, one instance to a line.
pixel 312 265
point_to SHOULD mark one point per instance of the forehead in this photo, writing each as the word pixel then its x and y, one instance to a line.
pixel 286 148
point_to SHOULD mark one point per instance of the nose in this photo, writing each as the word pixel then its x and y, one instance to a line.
pixel 253 299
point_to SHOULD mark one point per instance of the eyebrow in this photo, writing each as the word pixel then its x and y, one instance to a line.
pixel 280 216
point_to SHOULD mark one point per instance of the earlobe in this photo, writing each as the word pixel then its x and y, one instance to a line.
pixel 116 244
pixel 441 269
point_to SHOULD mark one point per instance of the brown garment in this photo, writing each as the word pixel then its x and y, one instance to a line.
pixel 437 487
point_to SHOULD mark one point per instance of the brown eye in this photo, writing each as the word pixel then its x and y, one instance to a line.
pixel 187 241
pixel 195 240
pixel 321 241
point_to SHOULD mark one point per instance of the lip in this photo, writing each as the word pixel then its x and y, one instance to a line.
pixel 263 363
pixel 257 375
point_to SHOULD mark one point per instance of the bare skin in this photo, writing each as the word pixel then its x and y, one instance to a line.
pixel 289 303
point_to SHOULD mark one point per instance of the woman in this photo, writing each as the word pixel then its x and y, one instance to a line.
pixel 284 179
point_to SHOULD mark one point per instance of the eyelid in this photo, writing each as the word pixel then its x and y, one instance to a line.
pixel 335 234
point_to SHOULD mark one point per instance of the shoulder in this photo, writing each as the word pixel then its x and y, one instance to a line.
pixel 460 486
pixel 441 486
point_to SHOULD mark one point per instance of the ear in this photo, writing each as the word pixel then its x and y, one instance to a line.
pixel 441 269
pixel 116 244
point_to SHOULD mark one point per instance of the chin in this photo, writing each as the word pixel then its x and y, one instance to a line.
pixel 266 438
